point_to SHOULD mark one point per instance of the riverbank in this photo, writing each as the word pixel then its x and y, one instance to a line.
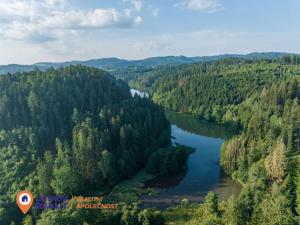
pixel 203 173
pixel 129 191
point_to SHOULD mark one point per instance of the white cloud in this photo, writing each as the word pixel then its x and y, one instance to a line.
pixel 44 20
pixel 98 18
pixel 56 2
pixel 200 5
pixel 137 4
pixel 138 19
pixel 16 8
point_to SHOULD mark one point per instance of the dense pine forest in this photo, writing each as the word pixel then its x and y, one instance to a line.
pixel 262 99
pixel 69 131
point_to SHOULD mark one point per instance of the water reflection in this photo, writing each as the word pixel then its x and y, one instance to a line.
pixel 194 125
pixel 203 173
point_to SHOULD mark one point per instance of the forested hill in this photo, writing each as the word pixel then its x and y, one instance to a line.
pixel 206 89
pixel 113 64
pixel 71 130
pixel 263 98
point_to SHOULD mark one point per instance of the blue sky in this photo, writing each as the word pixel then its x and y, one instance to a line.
pixel 58 30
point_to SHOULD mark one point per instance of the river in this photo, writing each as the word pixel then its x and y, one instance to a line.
pixel 140 93
pixel 203 173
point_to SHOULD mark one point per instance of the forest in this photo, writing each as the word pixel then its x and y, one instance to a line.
pixel 71 131
pixel 76 130
pixel 261 99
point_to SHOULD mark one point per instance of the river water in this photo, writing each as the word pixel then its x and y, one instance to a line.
pixel 203 173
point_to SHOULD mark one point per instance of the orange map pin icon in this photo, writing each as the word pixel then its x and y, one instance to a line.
pixel 24 201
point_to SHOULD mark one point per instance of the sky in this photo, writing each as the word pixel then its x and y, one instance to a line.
pixel 60 30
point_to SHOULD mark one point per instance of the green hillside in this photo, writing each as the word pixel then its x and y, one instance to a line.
pixel 71 131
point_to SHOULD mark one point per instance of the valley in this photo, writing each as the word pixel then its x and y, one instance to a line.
pixel 215 142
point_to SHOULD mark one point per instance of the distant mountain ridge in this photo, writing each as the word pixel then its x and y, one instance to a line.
pixel 116 63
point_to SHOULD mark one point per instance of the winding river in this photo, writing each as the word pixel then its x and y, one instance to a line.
pixel 203 173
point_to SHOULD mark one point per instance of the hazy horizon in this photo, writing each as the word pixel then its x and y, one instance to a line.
pixel 138 59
